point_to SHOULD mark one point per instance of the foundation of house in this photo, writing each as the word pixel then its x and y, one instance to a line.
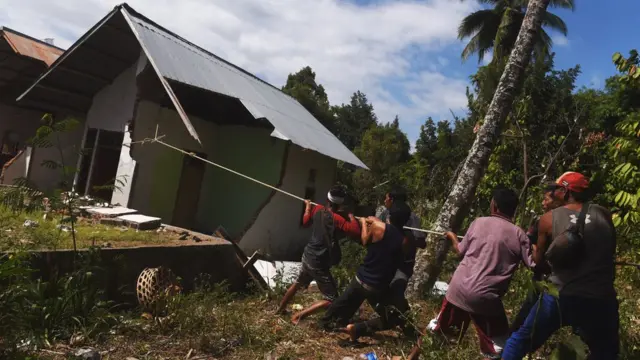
pixel 119 268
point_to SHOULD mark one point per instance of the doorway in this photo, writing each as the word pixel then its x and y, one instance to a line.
pixel 100 157
pixel 188 196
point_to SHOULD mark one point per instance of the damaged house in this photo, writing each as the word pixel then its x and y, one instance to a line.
pixel 22 60
pixel 128 76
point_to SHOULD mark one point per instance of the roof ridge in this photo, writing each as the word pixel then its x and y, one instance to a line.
pixel 143 18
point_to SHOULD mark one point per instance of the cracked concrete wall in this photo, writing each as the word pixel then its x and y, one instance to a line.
pixel 277 229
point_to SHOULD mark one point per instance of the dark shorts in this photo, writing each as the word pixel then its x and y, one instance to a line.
pixel 323 278
pixel 492 331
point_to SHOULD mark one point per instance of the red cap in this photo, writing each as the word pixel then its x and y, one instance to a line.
pixel 573 181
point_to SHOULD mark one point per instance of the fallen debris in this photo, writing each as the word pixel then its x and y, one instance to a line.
pixel 30 224
pixel 440 288
pixel 87 354
pixel 141 222
pixel 283 271
pixel 64 228
pixel 111 221
pixel 110 212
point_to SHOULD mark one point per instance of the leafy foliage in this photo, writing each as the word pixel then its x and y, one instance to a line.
pixel 497 29
pixel 36 313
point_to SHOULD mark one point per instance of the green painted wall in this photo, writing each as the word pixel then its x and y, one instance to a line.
pixel 165 181
pixel 227 199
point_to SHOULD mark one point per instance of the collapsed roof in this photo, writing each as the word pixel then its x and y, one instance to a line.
pixel 114 43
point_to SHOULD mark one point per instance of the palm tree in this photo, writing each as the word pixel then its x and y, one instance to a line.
pixel 498 28
pixel 429 262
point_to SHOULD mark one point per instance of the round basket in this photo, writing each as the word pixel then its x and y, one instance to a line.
pixel 154 285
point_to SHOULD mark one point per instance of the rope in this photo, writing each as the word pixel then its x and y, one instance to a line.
pixel 157 138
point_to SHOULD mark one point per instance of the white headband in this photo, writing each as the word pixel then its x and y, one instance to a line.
pixel 334 199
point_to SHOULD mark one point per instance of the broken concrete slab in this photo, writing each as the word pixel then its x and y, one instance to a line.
pixel 141 222
pixel 110 211
pixel 284 271
pixel 111 221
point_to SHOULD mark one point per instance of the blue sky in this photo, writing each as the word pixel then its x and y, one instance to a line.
pixel 404 54
pixel 597 29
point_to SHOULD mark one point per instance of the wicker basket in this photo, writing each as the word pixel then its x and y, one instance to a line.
pixel 154 287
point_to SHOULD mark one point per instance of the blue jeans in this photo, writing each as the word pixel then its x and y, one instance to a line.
pixel 594 320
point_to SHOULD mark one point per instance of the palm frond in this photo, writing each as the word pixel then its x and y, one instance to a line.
pixel 563 4
pixel 554 22
pixel 473 22
pixel 543 45
pixel 481 43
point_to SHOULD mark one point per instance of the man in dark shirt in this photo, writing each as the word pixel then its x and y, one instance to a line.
pixel 384 255
pixel 587 297
pixel 549 202
pixel 396 293
pixel 328 226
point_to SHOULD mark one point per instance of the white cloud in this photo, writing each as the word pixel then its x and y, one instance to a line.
pixel 487 58
pixel 349 47
pixel 560 40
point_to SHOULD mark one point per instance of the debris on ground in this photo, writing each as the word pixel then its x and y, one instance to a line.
pixel 440 288
pixel 87 354
pixel 64 228
pixel 30 224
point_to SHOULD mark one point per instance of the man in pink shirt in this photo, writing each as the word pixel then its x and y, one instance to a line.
pixel 491 251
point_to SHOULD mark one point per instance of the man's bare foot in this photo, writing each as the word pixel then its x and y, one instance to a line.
pixel 351 331
pixel 295 319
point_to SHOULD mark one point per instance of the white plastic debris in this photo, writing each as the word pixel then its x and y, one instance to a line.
pixel 30 223
pixel 440 288
pixel 64 228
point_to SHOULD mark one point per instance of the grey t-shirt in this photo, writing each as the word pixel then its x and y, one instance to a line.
pixel 594 275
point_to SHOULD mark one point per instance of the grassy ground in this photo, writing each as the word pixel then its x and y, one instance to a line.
pixel 212 324
pixel 46 235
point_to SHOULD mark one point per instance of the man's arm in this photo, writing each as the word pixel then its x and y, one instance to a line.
pixel 372 230
pixel 309 211
pixel 350 228
pixel 525 250
pixel 545 229
pixel 455 244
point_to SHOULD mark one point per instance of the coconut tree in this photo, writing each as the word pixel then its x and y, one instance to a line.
pixel 429 262
pixel 497 28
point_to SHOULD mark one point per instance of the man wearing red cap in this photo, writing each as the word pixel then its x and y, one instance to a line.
pixel 585 276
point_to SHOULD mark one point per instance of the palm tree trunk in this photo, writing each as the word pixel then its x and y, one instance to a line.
pixel 429 262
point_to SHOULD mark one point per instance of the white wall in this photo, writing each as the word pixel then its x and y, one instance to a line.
pixel 126 168
pixel 112 107
pixel 18 168
pixel 277 230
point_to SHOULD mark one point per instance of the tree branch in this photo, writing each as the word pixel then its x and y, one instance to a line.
pixel 553 159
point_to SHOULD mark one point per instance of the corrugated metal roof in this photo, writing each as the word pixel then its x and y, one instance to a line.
pixel 27 46
pixel 181 61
